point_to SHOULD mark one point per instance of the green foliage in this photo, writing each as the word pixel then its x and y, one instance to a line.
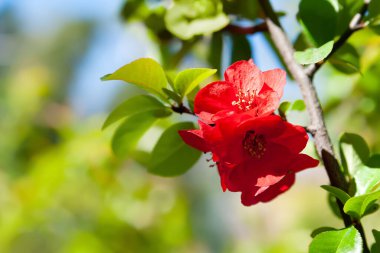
pixel 348 9
pixel 171 156
pixel 346 59
pixel 145 73
pixel 358 206
pixel 214 56
pixel 376 246
pixel 241 49
pixel 355 155
pixel 336 192
pixel 130 131
pixel 319 19
pixel 346 240
pixel 317 231
pixel 187 80
pixel 285 107
pixel 136 105
pixel 241 8
pixel 186 19
pixel 314 55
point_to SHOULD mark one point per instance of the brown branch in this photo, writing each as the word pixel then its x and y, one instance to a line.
pixel 321 138
pixel 355 24
pixel 246 29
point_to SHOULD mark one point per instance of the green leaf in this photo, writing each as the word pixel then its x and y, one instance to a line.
pixel 346 59
pixel 347 240
pixel 314 55
pixel 338 193
pixel 145 73
pixel 298 105
pixel 284 106
pixel 172 95
pixel 375 25
pixel 241 48
pixel 141 157
pixel 356 207
pixel 215 50
pixel 354 153
pixel 244 8
pixel 348 9
pixel 186 19
pixel 134 105
pixel 331 200
pixel 374 9
pixel 317 231
pixel 188 79
pixel 319 19
pixel 376 246
pixel 130 131
pixel 171 156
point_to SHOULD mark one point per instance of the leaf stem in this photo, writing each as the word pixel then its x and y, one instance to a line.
pixel 320 134
pixel 355 24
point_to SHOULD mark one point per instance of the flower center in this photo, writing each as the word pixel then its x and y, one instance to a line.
pixel 244 100
pixel 254 144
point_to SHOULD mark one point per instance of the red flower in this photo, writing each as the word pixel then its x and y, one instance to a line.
pixel 245 89
pixel 257 153
pixel 256 156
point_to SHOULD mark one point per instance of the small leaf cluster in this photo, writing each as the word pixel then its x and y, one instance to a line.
pixel 323 22
pixel 167 92
pixel 363 173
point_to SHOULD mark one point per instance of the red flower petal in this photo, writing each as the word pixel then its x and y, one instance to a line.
pixel 267 193
pixel 275 79
pixel 293 137
pixel 194 138
pixel 215 97
pixel 301 162
pixel 245 76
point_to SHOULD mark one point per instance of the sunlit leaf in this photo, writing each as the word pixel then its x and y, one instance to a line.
pixel 144 72
pixel 134 105
pixel 355 154
pixel 185 19
pixel 317 231
pixel 314 55
pixel 347 240
pixel 187 80
pixel 171 156
pixel 356 207
pixel 130 131
pixel 298 105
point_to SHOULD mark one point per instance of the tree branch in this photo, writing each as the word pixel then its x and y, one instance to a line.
pixel 321 138
pixel 246 29
pixel 356 24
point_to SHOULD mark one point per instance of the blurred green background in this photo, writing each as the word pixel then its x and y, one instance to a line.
pixel 62 189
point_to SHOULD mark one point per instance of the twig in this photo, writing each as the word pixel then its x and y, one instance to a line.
pixel 181 109
pixel 246 29
pixel 321 138
pixel 355 24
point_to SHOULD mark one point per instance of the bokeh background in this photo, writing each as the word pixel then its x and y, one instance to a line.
pixel 63 190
